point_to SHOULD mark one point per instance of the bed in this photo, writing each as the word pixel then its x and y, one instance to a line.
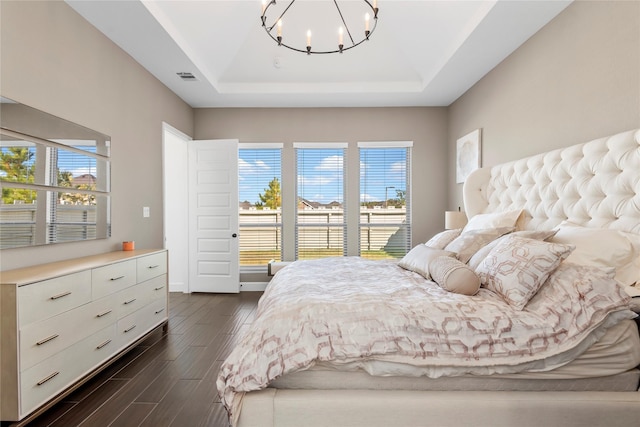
pixel 524 317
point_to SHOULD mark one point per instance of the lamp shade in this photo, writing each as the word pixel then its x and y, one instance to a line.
pixel 454 220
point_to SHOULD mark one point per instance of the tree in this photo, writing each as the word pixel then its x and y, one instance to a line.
pixel 272 197
pixel 15 166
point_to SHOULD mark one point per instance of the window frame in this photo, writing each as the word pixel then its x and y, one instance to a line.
pixel 278 224
pixel 342 225
pixel 405 225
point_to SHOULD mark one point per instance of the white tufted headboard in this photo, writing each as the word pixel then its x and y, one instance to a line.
pixel 595 184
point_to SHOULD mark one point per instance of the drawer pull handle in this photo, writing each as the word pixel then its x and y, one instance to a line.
pixel 159 311
pixel 130 301
pixel 44 380
pixel 104 313
pixel 64 294
pixel 154 266
pixel 103 344
pixel 46 340
pixel 116 278
pixel 158 288
pixel 131 328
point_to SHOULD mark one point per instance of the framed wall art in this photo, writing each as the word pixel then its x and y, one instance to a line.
pixel 468 154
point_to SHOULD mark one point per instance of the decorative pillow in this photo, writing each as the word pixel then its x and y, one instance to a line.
pixel 442 239
pixel 470 242
pixel 602 247
pixel 493 220
pixel 477 258
pixel 518 267
pixel 454 276
pixel 418 259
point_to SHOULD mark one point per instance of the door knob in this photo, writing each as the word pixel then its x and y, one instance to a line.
pixel 234 235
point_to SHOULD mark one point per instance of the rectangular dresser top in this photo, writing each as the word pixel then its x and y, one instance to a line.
pixel 37 273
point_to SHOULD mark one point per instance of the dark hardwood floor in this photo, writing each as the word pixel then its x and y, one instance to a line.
pixel 169 378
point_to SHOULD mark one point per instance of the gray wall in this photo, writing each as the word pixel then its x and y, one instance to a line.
pixel 54 60
pixel 425 126
pixel 575 80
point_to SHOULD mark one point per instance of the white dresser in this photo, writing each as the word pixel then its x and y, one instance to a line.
pixel 61 322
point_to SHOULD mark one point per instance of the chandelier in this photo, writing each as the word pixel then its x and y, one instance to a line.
pixel 343 32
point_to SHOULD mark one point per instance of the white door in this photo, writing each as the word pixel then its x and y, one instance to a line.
pixel 213 216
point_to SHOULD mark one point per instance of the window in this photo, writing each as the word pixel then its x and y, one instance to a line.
pixel 385 214
pixel 320 189
pixel 260 210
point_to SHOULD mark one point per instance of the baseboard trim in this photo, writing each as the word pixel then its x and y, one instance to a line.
pixel 253 286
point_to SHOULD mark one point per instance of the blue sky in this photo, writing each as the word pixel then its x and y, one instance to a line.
pixel 320 177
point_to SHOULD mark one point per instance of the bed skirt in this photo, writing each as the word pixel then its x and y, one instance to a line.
pixel 378 408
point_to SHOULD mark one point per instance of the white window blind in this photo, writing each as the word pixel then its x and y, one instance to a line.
pixel 321 210
pixel 385 199
pixel 260 209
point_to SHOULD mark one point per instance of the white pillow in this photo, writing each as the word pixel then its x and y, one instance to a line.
pixel 470 242
pixel 604 248
pixel 419 258
pixel 493 220
pixel 442 239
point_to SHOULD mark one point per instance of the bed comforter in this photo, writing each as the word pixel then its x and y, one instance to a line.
pixel 382 318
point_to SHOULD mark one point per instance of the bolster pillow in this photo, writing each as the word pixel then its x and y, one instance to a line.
pixel 454 276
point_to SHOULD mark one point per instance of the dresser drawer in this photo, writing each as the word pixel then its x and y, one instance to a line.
pixel 157 287
pixel 54 374
pixel 132 299
pixel 45 299
pixel 112 278
pixel 41 340
pixel 142 321
pixel 151 266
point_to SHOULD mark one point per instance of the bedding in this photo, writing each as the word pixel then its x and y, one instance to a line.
pixel 420 342
pixel 380 316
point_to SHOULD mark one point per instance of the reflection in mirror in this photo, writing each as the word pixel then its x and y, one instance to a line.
pixel 55 179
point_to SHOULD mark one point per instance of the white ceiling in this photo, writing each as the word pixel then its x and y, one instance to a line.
pixel 422 52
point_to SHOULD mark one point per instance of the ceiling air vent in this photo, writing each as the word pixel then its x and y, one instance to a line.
pixel 187 77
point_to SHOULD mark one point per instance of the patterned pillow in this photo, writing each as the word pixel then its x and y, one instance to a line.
pixel 454 276
pixel 419 258
pixel 477 258
pixel 470 242
pixel 442 239
pixel 518 267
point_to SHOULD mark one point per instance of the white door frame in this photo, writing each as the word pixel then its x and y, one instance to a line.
pixel 175 201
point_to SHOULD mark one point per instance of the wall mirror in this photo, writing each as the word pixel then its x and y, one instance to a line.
pixel 55 179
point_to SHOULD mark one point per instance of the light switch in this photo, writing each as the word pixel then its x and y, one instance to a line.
pixel 145 212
